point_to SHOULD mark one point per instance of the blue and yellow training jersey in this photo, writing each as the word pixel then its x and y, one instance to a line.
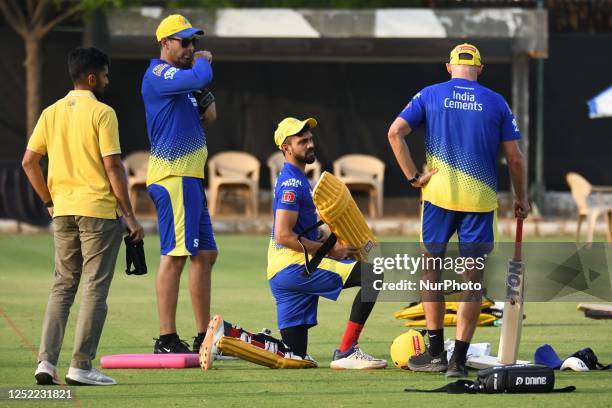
pixel 291 192
pixel 178 142
pixel 465 124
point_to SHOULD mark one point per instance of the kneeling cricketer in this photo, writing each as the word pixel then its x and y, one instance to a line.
pixel 296 282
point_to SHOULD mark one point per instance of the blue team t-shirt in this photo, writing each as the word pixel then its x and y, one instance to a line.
pixel 178 143
pixel 292 193
pixel 465 123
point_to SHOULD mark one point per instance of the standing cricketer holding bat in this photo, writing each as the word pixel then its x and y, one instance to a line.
pixel 465 123
pixel 176 172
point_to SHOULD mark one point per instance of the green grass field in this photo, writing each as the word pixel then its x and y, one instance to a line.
pixel 241 295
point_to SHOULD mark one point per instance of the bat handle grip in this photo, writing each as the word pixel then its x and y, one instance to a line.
pixel 518 240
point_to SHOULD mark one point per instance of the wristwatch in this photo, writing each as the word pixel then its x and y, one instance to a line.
pixel 416 177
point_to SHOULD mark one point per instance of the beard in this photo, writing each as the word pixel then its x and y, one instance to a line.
pixel 308 158
pixel 184 65
pixel 184 61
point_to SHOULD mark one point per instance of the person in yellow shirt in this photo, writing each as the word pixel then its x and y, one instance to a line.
pixel 85 186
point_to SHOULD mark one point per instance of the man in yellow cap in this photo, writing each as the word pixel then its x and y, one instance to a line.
pixel 297 296
pixel 465 124
pixel 175 175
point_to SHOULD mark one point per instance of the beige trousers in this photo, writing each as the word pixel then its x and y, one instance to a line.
pixel 85 250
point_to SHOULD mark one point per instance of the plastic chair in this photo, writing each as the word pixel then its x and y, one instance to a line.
pixel 136 168
pixel 581 190
pixel 276 161
pixel 365 173
pixel 234 169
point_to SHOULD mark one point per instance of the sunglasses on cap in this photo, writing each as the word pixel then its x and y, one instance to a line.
pixel 185 41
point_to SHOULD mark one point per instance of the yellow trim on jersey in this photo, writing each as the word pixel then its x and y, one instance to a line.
pixel 281 258
pixel 189 165
pixel 454 189
pixel 339 268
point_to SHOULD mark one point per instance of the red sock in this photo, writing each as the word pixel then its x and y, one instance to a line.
pixel 351 335
pixel 234 332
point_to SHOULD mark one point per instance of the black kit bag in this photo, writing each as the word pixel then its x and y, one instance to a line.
pixel 513 379
pixel 587 355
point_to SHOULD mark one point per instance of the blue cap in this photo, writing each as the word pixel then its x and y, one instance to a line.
pixel 548 356
pixel 189 32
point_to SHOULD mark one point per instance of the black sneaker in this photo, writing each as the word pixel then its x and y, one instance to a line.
pixel 456 369
pixel 174 346
pixel 197 342
pixel 427 363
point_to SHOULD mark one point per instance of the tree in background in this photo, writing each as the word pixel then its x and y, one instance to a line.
pixel 33 20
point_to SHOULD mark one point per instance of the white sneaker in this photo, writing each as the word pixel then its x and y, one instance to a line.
pixel 309 357
pixel 46 374
pixel 356 359
pixel 77 376
pixel 208 349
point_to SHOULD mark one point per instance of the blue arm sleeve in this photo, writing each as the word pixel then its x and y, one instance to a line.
pixel 174 80
pixel 509 126
pixel 414 112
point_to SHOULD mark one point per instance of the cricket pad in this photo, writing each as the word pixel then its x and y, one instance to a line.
pixel 232 346
pixel 337 209
pixel 484 319
pixel 416 311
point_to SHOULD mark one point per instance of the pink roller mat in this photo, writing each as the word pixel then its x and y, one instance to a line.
pixel 150 361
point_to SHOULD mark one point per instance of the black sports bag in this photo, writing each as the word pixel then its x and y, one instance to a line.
pixel 514 378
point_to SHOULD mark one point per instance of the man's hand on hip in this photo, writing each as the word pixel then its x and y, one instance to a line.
pixel 424 178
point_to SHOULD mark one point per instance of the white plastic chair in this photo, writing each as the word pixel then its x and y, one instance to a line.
pixel 234 169
pixel 365 173
pixel 581 190
pixel 135 165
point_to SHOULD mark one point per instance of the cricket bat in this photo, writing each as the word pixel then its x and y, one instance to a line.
pixel 596 310
pixel 512 323
pixel 513 307
pixel 594 306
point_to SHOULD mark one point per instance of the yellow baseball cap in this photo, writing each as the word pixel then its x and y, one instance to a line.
pixel 289 127
pixel 465 48
pixel 177 25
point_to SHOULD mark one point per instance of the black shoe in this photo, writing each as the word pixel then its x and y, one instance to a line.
pixel 427 363
pixel 174 346
pixel 456 369
pixel 197 342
